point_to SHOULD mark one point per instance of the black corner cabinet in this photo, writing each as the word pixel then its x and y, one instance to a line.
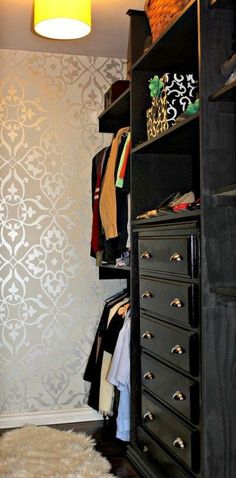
pixel 183 265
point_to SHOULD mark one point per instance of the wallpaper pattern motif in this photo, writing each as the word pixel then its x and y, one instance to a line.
pixel 50 295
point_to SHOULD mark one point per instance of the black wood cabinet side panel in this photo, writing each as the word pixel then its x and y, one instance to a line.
pixel 217 150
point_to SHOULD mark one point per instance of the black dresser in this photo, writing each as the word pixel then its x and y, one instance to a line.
pixel 169 291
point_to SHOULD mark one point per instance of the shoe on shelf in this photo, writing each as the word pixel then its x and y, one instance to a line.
pixel 181 202
pixel 175 202
pixel 154 212
pixel 191 206
pixel 186 198
pixel 195 205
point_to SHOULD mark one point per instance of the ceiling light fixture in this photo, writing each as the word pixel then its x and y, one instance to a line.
pixel 62 19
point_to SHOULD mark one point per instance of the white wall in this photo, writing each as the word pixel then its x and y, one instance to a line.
pixel 50 295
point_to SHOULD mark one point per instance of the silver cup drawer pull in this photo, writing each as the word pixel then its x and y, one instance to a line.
pixel 176 257
pixel 148 376
pixel 148 417
pixel 146 295
pixel 179 443
pixel 176 303
pixel 177 350
pixel 146 255
pixel 147 335
pixel 178 396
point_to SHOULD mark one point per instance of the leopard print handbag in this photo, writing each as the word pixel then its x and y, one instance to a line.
pixel 157 116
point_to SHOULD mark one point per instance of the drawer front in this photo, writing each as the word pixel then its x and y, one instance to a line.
pixel 157 457
pixel 172 255
pixel 170 300
pixel 179 392
pixel 178 347
pixel 181 439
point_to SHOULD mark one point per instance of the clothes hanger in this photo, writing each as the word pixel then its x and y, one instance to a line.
pixel 118 295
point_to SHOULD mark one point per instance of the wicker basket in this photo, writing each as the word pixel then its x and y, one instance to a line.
pixel 161 12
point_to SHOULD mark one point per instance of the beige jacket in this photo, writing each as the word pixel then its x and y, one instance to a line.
pixel 107 204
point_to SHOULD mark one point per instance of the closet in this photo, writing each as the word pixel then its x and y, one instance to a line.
pixel 182 277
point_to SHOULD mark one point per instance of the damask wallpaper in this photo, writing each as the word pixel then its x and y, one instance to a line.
pixel 50 295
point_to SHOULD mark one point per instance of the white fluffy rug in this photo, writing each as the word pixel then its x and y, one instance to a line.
pixel 38 452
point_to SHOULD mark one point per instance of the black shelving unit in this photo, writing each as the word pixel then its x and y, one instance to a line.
pixel 179 138
pixel 178 42
pixel 117 115
pixel 182 273
pixel 197 154
pixel 112 272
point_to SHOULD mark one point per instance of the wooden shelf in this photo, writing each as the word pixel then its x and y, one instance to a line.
pixel 226 191
pixel 170 217
pixel 110 271
pixel 117 115
pixel 225 93
pixel 178 139
pixel 225 291
pixel 228 4
pixel 178 43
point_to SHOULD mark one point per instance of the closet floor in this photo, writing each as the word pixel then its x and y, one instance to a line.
pixel 114 450
pixel 106 443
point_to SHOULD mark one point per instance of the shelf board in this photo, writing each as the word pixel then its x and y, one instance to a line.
pixel 110 271
pixel 178 42
pixel 229 4
pixel 226 191
pixel 117 115
pixel 178 139
pixel 171 216
pixel 225 291
pixel 225 93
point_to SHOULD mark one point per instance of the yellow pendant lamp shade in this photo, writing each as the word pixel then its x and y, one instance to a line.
pixel 62 19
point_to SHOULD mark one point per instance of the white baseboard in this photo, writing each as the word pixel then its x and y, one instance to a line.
pixel 84 414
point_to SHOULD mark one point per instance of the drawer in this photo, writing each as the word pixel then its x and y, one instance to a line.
pixel 174 301
pixel 171 255
pixel 180 438
pixel 177 391
pixel 176 346
pixel 157 457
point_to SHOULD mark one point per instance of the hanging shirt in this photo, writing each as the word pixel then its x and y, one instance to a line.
pixel 107 205
pixel 123 163
pixel 119 375
pixel 94 365
pixel 98 167
pixel 115 324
